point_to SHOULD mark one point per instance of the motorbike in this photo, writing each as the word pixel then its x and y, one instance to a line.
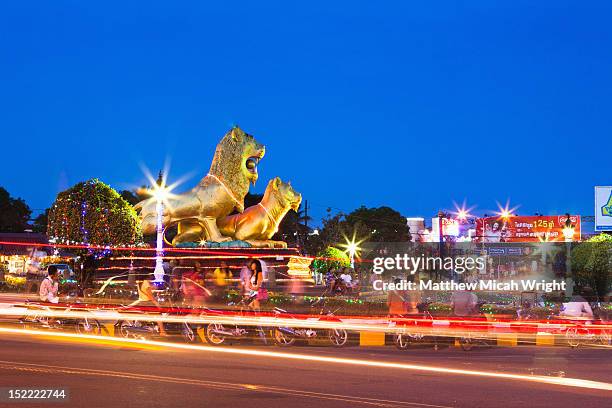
pixel 217 334
pixel 35 316
pixel 472 338
pixel 147 329
pixel 408 333
pixel 286 336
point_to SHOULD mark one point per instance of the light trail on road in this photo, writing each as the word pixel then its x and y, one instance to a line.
pixel 441 328
pixel 559 381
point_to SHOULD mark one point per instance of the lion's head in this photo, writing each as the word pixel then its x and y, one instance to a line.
pixel 285 193
pixel 236 159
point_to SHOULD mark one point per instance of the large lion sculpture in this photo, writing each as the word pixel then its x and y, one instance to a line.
pixel 233 169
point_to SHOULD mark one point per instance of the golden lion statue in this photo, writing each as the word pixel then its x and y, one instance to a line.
pixel 257 224
pixel 233 169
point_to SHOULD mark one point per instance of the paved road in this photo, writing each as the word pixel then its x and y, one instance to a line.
pixel 103 375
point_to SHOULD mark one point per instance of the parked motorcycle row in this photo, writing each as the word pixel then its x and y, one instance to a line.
pixel 406 332
pixel 45 316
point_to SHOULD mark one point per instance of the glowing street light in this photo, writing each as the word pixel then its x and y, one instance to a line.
pixel 352 248
pixel 462 213
pixel 506 212
pixel 160 192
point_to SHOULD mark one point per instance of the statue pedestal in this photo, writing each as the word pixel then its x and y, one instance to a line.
pixel 283 264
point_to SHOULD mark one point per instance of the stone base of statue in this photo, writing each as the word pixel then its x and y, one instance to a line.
pixel 282 264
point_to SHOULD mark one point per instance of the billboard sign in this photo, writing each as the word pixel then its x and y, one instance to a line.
pixel 450 228
pixel 526 229
pixel 603 208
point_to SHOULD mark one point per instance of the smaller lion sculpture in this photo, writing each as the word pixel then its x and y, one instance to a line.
pixel 258 223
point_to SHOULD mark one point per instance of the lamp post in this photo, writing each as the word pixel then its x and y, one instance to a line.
pixel 352 249
pixel 160 192
pixel 568 235
pixel 440 240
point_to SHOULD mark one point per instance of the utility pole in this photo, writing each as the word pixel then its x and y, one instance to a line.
pixel 441 237
pixel 306 215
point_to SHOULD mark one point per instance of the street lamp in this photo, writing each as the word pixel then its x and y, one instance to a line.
pixel 352 250
pixel 506 212
pixel 352 247
pixel 568 234
pixel 160 192
pixel 462 215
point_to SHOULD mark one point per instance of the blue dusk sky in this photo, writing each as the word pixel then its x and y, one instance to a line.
pixel 413 105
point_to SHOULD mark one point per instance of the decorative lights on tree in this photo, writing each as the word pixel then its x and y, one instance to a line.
pixel 92 213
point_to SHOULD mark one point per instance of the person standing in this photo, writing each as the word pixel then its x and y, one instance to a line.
pixel 195 292
pixel 463 303
pixel 221 277
pixel 396 300
pixel 255 285
pixel 245 275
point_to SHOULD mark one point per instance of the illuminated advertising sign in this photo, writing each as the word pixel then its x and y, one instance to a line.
pixel 450 228
pixel 603 208
pixel 527 229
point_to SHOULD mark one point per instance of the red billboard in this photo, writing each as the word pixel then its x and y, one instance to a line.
pixel 526 229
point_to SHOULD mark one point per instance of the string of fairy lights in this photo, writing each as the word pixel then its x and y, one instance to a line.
pixel 93 215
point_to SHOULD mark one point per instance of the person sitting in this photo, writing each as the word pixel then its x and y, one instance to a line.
pixel 577 307
pixel 49 286
pixel 347 279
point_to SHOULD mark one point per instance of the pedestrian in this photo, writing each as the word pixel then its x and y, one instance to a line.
pixel 413 298
pixel 296 288
pixel 194 288
pixel 221 277
pixel 245 275
pixel 255 286
pixel 50 286
pixel 396 300
pixel 463 303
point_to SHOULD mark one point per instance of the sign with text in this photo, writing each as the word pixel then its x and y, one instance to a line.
pixel 527 229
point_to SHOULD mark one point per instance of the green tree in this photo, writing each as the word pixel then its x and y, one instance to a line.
pixel 14 213
pixel 379 224
pixel 592 263
pixel 292 229
pixel 93 213
pixel 330 258
pixel 40 222
pixel 134 196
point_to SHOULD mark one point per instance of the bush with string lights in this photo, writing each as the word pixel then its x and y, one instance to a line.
pixel 92 213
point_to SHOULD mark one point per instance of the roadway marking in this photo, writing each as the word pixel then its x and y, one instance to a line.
pixel 226 386
pixel 562 381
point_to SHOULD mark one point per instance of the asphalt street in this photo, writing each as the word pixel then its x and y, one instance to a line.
pixel 102 374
